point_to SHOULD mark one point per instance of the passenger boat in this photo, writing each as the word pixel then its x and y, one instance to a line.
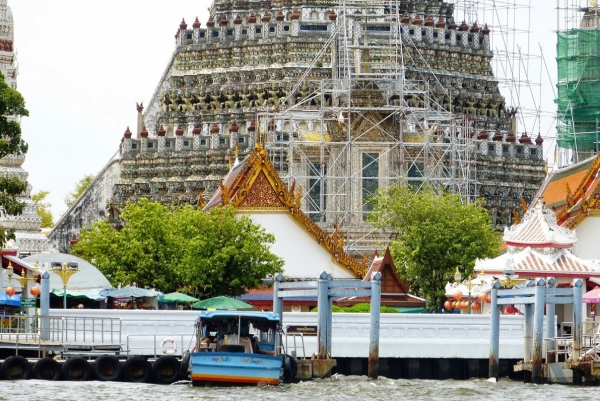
pixel 238 348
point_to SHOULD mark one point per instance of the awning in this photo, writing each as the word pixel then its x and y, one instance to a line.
pixel 15 300
pixel 93 294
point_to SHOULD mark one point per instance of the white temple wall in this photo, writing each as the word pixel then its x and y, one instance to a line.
pixel 588 232
pixel 304 257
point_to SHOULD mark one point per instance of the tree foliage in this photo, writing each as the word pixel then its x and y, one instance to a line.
pixel 212 253
pixel 80 187
pixel 43 208
pixel 12 107
pixel 436 235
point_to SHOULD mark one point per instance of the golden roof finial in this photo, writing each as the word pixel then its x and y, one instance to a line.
pixel 237 151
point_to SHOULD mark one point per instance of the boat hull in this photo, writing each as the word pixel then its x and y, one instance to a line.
pixel 233 368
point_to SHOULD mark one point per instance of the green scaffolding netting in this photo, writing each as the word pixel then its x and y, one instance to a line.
pixel 578 101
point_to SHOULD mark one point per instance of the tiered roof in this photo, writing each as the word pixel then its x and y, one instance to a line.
pixel 538 246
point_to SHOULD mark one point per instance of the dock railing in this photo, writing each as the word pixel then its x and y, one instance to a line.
pixel 26 332
pixel 294 352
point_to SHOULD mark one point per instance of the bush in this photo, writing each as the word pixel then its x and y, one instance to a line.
pixel 359 308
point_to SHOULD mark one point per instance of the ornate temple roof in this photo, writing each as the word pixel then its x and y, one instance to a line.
pixel 539 229
pixel 253 186
pixel 529 262
pixel 573 193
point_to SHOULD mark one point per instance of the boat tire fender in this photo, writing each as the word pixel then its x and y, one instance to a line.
pixel 166 369
pixel 76 368
pixel 290 368
pixel 107 368
pixel 16 367
pixel 185 363
pixel 47 369
pixel 137 370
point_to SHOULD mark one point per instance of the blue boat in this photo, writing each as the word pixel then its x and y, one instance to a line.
pixel 237 348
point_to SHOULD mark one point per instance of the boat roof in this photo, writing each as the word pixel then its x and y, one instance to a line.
pixel 228 314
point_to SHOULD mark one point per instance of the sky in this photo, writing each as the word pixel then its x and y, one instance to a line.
pixel 84 64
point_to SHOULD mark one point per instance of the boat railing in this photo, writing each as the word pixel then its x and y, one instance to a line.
pixel 294 352
pixel 156 345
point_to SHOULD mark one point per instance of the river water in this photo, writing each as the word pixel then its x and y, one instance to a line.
pixel 334 388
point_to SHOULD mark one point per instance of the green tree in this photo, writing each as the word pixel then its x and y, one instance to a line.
pixel 212 253
pixel 43 208
pixel 437 234
pixel 12 107
pixel 80 187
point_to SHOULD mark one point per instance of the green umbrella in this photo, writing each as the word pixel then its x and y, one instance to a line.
pixel 221 303
pixel 177 297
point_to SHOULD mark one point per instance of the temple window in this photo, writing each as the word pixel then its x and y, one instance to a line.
pixel 470 39
pixel 490 148
pixel 215 34
pixel 134 146
pixel 202 34
pixel 244 32
pixel 230 32
pixel 317 201
pixel 519 151
pixel 241 140
pixel 411 31
pixel 186 143
pixel 370 180
pixel 168 144
pixel 286 28
pixel 533 152
pixel 271 29
pixel 435 35
pixel 313 27
pixel 447 36
pixel 202 142
pixel 504 148
pixel 189 36
pixel 258 30
pixel 150 145
pixel 458 38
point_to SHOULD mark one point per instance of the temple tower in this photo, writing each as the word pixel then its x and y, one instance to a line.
pixel 29 239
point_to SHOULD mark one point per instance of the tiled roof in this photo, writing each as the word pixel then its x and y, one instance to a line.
pixel 531 261
pixel 573 191
pixel 539 229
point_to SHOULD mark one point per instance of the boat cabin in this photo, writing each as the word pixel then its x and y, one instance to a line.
pixel 235 331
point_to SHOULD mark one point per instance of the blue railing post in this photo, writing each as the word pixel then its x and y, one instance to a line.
pixel 538 331
pixel 373 369
pixel 329 314
pixel 577 318
pixel 550 324
pixel 45 306
pixel 494 363
pixel 322 305
pixel 528 340
pixel 277 300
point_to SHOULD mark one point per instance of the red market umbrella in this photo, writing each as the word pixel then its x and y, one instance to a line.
pixel 592 297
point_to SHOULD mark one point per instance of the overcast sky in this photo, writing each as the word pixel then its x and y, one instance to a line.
pixel 83 65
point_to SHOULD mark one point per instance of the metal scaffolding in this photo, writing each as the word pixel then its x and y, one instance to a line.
pixel 375 123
